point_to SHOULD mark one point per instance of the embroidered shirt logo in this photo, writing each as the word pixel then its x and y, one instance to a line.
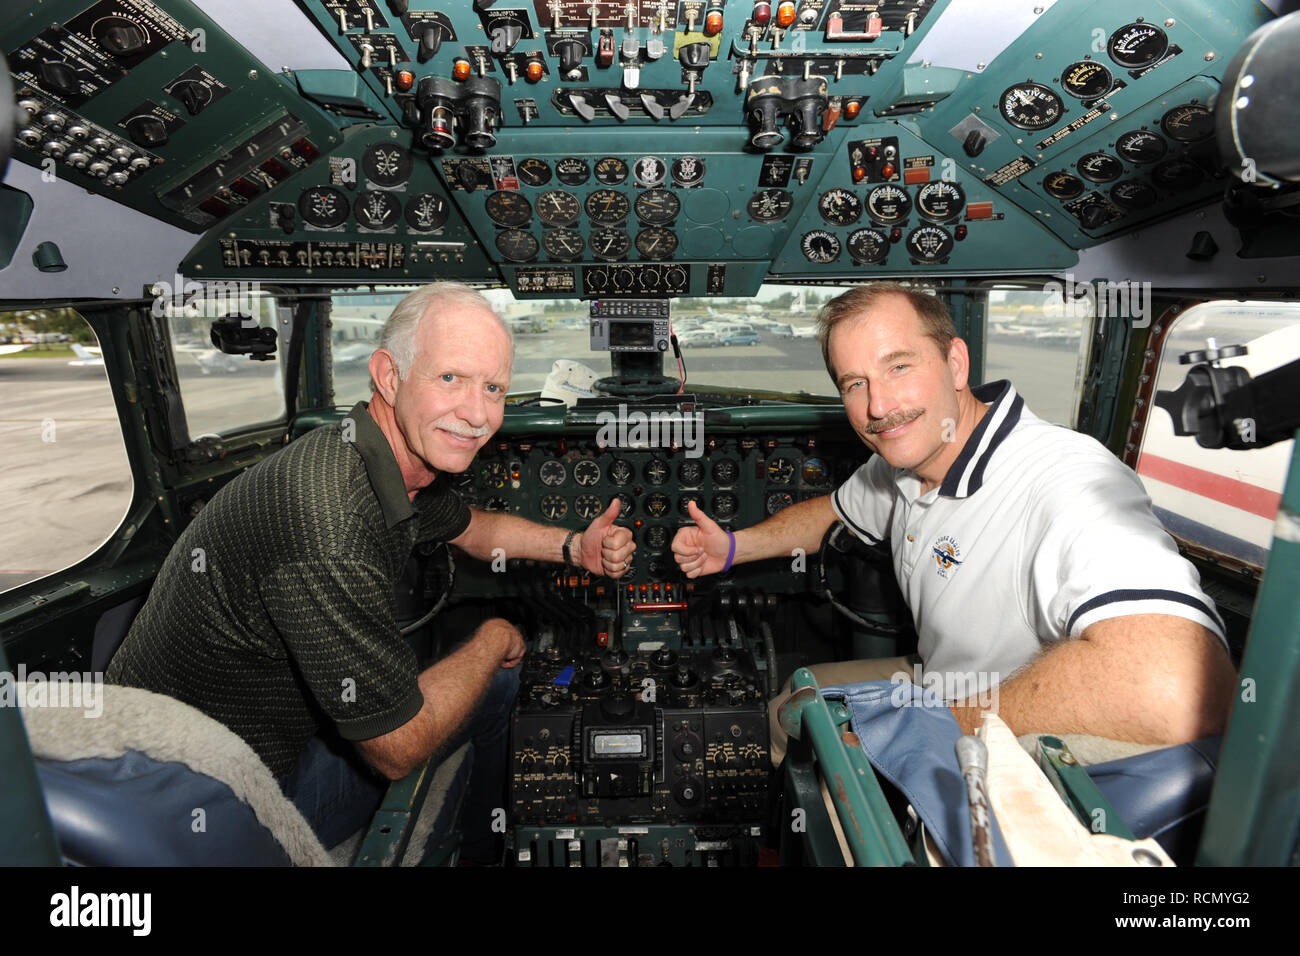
pixel 947 555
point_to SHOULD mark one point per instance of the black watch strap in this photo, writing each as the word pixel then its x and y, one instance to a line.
pixel 568 555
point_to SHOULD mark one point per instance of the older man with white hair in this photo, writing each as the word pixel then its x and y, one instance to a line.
pixel 289 635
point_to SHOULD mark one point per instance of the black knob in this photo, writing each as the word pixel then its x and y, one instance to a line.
pixel 60 76
pixel 399 7
pixel 147 131
pixel 809 121
pixel 694 56
pixel 430 35
pixel 505 36
pixel 974 143
pixel 570 53
pixel 287 216
pixel 664 659
pixel 192 94
pixel 467 177
pixel 1092 215
pixel 762 116
pixel 122 39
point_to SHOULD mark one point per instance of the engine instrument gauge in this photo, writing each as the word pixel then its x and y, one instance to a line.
pixel 940 201
pixel 1087 79
pixel 650 170
pixel 1031 106
pixel 656 471
pixel 377 209
pixel 688 171
pixel 611 171
pixel 658 505
pixel 1140 146
pixel 1188 123
pixel 1133 194
pixel 610 244
pixel 563 245
pixel 508 208
pixel 555 207
pixel 572 171
pixel 820 246
pixel 840 207
pixel 554 507
pixel 868 246
pixel 725 472
pixel 656 537
pixel 323 207
pixel 888 204
pixel 929 244
pixel 777 501
pixel 534 172
pixel 770 205
pixel 657 207
pixel 553 473
pixel 1137 45
pixel 656 243
pixel 1099 167
pixel 426 212
pixel 620 472
pixel 690 473
pixel 586 472
pixel 780 471
pixel 725 506
pixel 386 164
pixel 516 245
pixel 1063 185
pixel 587 506
pixel 607 207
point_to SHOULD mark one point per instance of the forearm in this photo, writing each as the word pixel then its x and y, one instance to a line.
pixel 1161 688
pixel 517 537
pixel 799 526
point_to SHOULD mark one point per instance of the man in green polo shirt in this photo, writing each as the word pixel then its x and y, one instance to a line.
pixel 273 613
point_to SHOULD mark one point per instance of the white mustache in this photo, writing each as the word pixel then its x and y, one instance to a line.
pixel 460 430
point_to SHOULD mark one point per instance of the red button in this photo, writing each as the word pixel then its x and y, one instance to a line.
pixel 762 13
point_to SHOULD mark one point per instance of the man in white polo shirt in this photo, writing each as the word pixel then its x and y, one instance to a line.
pixel 1027 553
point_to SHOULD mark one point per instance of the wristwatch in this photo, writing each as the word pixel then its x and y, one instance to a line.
pixel 568 555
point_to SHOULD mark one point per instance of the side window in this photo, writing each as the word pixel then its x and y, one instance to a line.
pixel 1219 499
pixel 1037 341
pixel 66 482
pixel 223 392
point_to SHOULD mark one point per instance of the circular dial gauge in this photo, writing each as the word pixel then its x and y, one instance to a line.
pixel 516 245
pixel 564 245
pixel 386 165
pixel 1100 167
pixel 820 246
pixel 770 205
pixel 688 170
pixel 780 471
pixel 534 172
pixel 1140 146
pixel 377 209
pixel 684 503
pixel 657 505
pixel 940 201
pixel 587 506
pixel 657 207
pixel 572 171
pixel 840 207
pixel 1177 174
pixel 1137 45
pixel 888 204
pixel 555 207
pixel 1188 123
pixel 494 474
pixel 777 501
pixel 610 244
pixel 508 209
pixel 1062 185
pixel 607 206
pixel 815 473
pixel 554 507
pixel 725 506
pixel 1087 79
pixel 553 473
pixel 656 243
pixel 690 473
pixel 620 472
pixel 929 244
pixel 657 471
pixel 611 171
pixel 1133 194
pixel 496 503
pixel 868 245
pixel 426 212
pixel 650 170
pixel 1031 106
pixel 656 537
pixel 625 505
pixel 323 207
pixel 586 472
pixel 725 472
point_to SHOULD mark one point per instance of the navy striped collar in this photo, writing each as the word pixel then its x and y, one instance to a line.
pixel 967 472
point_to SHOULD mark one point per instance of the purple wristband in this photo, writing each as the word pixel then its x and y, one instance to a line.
pixel 731 554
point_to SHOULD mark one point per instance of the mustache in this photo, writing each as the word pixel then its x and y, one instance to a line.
pixel 894 420
pixel 460 430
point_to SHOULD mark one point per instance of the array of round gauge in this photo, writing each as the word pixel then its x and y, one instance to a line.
pixel 1099 167
pixel 840 207
pixel 610 244
pixel 940 201
pixel 426 212
pixel 1031 106
pixel 1087 79
pixel 657 207
pixel 620 472
pixel 690 473
pixel 507 208
pixel 725 471
pixel 928 244
pixel 607 207
pixel 323 207
pixel 386 164
pixel 1189 123
pixel 867 246
pixel 586 472
pixel 572 171
pixel 888 204
pixel 769 205
pixel 687 171
pixel 611 171
pixel 656 243
pixel 516 245
pixel 553 473
pixel 377 209
pixel 1137 45
pixel 656 471
pixel 725 506
pixel 588 506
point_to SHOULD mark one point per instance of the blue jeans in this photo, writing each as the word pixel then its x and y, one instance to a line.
pixel 338 793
